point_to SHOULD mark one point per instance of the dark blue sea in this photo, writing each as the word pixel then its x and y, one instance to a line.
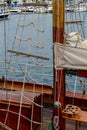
pixel 8 29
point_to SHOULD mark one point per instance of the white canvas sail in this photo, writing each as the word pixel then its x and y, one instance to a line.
pixel 70 57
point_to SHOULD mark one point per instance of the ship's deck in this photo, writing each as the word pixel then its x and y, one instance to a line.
pixel 70 125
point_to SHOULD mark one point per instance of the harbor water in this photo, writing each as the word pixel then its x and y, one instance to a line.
pixel 8 29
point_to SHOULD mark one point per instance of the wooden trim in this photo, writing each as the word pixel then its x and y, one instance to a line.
pixel 82 117
pixel 17 85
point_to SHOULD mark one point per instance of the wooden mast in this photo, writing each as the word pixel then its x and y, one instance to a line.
pixel 59 79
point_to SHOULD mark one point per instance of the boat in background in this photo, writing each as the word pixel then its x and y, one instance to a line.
pixel 3 15
pixel 14 10
pixel 81 7
pixel 49 9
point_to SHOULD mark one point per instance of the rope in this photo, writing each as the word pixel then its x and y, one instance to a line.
pixel 74 91
pixel 15 68
pixel 5 44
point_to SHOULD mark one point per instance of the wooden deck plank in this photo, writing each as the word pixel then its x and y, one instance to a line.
pixel 77 95
pixel 70 124
pixel 17 85
pixel 82 117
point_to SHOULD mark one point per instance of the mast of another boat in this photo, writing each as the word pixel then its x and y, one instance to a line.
pixel 59 78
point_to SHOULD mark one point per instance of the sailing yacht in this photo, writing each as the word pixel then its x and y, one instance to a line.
pixel 27 101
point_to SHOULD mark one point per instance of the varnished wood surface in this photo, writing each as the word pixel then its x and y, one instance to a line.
pixel 17 85
pixel 82 117
pixel 77 95
pixel 69 124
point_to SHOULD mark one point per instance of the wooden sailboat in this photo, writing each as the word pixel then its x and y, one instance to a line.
pixel 63 48
pixel 22 102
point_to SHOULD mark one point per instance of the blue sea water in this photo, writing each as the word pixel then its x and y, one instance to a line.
pixel 8 29
pixel 9 33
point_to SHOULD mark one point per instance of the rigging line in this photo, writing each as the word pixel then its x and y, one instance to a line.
pixel 14 42
pixel 75 88
pixel 36 104
pixel 59 84
pixel 29 64
pixel 21 71
pixel 14 37
pixel 29 75
pixel 38 38
pixel 18 38
pixel 83 85
pixel 22 25
pixel 9 103
pixel 84 23
pixel 38 29
pixel 21 35
pixel 8 107
pixel 22 91
pixel 81 30
pixel 24 72
pixel 71 19
pixel 20 109
pixel 5 127
pixel 5 44
pixel 43 66
pixel 74 13
pixel 24 96
pixel 13 112
pixel 66 27
pixel 80 20
pixel 36 75
pixel 33 25
pixel 33 73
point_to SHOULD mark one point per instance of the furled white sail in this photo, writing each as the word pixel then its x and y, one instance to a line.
pixel 74 39
pixel 67 56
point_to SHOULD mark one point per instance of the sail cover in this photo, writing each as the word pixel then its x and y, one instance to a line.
pixel 66 56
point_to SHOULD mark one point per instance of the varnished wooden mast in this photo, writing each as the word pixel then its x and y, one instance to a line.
pixel 59 79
